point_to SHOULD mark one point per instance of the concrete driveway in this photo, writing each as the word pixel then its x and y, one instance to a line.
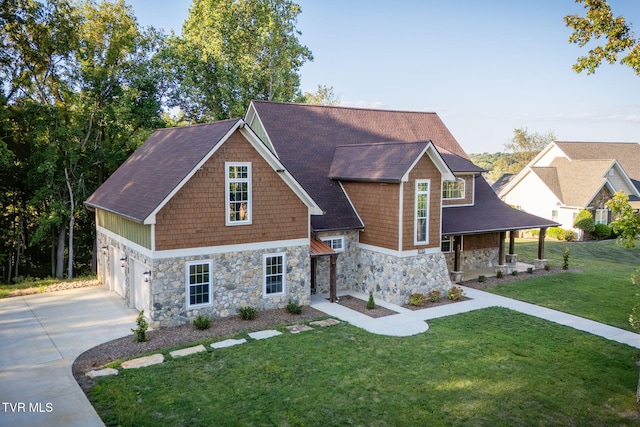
pixel 40 337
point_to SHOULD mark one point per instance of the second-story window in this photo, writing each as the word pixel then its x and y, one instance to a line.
pixel 238 184
pixel 422 212
pixel 453 190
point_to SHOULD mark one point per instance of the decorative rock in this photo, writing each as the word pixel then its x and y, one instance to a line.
pixel 102 372
pixel 325 323
pixel 187 351
pixel 296 329
pixel 141 362
pixel 228 343
pixel 260 335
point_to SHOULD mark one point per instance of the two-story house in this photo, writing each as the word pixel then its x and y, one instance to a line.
pixel 292 200
pixel 567 177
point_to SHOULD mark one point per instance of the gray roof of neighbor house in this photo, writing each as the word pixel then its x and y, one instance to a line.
pixel 150 174
pixel 488 213
pixel 626 153
pixel 316 143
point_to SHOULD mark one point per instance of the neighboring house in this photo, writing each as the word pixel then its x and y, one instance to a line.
pixel 292 200
pixel 567 177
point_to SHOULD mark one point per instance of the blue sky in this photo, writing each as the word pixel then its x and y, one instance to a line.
pixel 486 67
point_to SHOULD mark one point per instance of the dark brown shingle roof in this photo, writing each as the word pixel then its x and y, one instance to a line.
pixel 381 162
pixel 306 137
pixel 489 213
pixel 141 184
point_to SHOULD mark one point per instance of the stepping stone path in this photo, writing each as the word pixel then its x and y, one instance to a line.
pixel 228 343
pixel 155 359
pixel 140 362
pixel 296 329
pixel 260 335
pixel 187 351
pixel 102 372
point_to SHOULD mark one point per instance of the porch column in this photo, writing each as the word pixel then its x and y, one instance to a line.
pixel 541 262
pixel 543 232
pixel 512 241
pixel 501 248
pixel 457 240
pixel 332 278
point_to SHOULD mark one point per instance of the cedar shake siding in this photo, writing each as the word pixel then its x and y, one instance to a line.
pixel 378 205
pixel 424 169
pixel 195 216
pixel 481 241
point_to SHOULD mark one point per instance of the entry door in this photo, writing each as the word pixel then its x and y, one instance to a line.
pixel 117 275
pixel 140 297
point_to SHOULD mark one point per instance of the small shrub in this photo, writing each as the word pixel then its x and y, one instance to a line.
pixel 602 231
pixel 202 322
pixel 568 236
pixel 530 270
pixel 565 259
pixel 482 278
pixel 455 293
pixel 584 221
pixel 555 232
pixel 434 296
pixel 247 313
pixel 293 307
pixel 140 332
pixel 499 274
pixel 371 304
pixel 417 299
pixel 514 273
pixel 535 233
pixel 547 267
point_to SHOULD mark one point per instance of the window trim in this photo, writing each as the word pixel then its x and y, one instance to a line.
pixel 329 240
pixel 462 192
pixel 188 284
pixel 415 211
pixel 227 182
pixel 264 274
pixel 606 216
pixel 450 239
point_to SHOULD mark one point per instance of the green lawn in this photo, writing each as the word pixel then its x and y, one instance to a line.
pixel 602 291
pixel 490 367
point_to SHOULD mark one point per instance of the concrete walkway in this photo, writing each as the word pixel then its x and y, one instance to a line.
pixel 408 322
pixel 40 337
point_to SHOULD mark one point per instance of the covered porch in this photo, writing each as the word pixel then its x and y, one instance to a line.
pixel 507 257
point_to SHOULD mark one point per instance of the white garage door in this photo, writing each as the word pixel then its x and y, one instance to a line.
pixel 140 288
pixel 117 275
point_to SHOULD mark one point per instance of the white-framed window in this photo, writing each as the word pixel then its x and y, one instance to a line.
pixel 453 190
pixel 554 215
pixel 334 242
pixel 601 217
pixel 274 274
pixel 238 193
pixel 198 283
pixel 422 211
pixel 446 244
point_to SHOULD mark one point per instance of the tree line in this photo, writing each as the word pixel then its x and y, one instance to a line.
pixel 83 85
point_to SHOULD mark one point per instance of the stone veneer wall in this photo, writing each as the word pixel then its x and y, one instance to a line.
pixel 237 281
pixel 393 279
pixel 475 259
pixel 345 264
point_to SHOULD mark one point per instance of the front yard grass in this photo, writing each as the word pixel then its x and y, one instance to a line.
pixel 602 291
pixel 488 367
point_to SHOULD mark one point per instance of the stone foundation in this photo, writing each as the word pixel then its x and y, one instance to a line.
pixel 346 264
pixel 393 279
pixel 475 259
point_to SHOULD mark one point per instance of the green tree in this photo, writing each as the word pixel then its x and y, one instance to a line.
pixel 600 22
pixel 233 51
pixel 627 221
pixel 323 96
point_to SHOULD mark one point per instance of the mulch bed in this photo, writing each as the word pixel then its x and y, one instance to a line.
pixel 360 306
pixel 508 278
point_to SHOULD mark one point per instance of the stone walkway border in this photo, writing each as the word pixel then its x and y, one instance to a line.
pixel 158 358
